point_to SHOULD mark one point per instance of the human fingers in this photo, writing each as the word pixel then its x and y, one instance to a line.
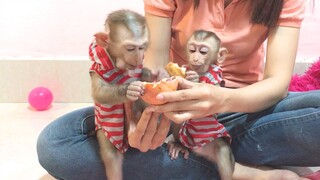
pixel 197 105
pixel 161 133
pixel 180 116
pixel 180 112
pixel 135 134
pixel 187 91
pixel 150 131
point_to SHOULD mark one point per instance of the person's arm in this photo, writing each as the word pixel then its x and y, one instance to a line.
pixel 198 100
pixel 157 53
pixel 280 60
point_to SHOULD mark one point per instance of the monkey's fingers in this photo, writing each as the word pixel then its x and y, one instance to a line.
pixel 175 148
pixel 136 84
pixel 185 153
pixel 176 151
pixel 138 87
pixel 193 78
pixel 133 95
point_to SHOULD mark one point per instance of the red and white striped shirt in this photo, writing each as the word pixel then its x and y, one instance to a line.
pixel 196 133
pixel 110 118
pixel 212 76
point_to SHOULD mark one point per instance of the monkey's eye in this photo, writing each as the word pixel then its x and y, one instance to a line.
pixel 142 47
pixel 204 50
pixel 192 49
pixel 130 48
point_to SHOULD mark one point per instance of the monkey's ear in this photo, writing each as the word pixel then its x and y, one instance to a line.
pixel 102 39
pixel 222 54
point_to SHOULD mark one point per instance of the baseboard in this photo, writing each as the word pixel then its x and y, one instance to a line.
pixel 68 80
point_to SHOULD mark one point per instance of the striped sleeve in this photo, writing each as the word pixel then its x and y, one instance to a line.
pixel 102 65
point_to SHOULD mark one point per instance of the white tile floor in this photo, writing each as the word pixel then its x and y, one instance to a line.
pixel 20 126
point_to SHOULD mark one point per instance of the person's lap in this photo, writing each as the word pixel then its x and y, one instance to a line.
pixel 284 134
pixel 68 149
pixel 72 152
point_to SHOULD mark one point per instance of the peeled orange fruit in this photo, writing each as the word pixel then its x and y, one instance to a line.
pixel 174 69
pixel 151 90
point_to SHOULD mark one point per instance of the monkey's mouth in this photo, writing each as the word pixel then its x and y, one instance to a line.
pixel 198 68
pixel 195 67
pixel 130 66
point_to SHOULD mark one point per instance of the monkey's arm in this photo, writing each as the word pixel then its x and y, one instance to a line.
pixel 157 54
pixel 111 157
pixel 103 93
pixel 192 76
pixel 174 145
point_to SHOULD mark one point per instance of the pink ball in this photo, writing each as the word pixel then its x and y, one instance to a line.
pixel 40 98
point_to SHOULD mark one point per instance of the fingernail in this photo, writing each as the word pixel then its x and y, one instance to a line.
pixel 149 109
pixel 159 97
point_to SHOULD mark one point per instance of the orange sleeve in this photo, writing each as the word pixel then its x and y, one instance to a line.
pixel 162 8
pixel 292 13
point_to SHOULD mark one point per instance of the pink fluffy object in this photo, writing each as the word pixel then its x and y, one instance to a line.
pixel 308 81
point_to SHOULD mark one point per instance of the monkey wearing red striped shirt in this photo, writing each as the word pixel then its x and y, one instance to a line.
pixel 205 136
pixel 117 54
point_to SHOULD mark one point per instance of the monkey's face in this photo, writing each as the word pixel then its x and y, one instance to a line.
pixel 127 49
pixel 200 57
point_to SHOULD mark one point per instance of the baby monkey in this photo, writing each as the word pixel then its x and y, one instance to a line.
pixel 117 54
pixel 205 136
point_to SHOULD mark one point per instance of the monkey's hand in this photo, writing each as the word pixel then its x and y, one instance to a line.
pixel 192 76
pixel 159 74
pixel 135 90
pixel 175 148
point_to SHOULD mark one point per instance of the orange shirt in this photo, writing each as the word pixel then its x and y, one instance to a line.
pixel 244 40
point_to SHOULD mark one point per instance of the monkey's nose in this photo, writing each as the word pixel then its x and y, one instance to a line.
pixel 140 59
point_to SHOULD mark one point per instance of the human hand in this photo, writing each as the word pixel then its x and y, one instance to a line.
pixel 135 90
pixel 148 133
pixel 192 76
pixel 192 100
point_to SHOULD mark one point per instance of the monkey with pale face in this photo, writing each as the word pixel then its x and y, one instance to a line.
pixel 117 54
pixel 205 136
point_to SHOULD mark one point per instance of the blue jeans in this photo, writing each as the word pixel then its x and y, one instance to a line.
pixel 286 134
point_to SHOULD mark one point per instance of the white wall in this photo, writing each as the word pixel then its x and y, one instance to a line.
pixel 53 29
pixel 49 39
pixel 62 29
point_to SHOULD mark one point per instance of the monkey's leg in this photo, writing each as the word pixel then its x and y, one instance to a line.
pixel 219 152
pixel 111 157
pixel 225 159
